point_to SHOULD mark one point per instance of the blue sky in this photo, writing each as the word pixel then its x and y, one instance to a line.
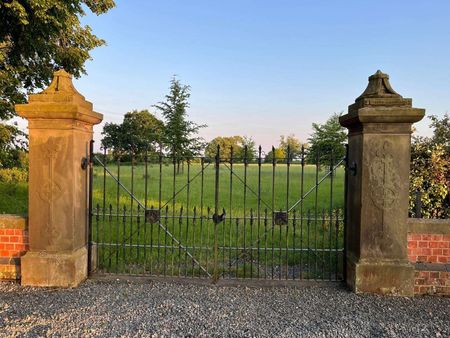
pixel 267 68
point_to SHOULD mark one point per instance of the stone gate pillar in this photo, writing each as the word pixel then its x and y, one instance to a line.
pixel 379 124
pixel 60 125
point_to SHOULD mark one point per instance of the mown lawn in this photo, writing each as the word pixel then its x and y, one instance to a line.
pixel 192 188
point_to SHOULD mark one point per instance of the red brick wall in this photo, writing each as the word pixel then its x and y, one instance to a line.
pixel 13 245
pixel 429 250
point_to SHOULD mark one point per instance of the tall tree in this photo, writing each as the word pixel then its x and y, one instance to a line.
pixel 139 132
pixel 36 37
pixel 327 139
pixel 180 135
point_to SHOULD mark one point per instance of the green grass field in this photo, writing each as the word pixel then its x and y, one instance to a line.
pixel 233 196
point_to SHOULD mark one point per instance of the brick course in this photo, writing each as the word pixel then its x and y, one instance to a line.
pixel 431 254
pixel 14 243
pixel 429 248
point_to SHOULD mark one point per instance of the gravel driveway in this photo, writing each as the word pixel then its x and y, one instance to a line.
pixel 112 308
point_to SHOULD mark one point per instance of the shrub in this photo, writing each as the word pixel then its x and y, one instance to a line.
pixel 13 175
pixel 430 176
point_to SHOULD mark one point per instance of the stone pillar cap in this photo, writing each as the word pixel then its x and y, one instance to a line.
pixel 59 101
pixel 380 103
pixel 379 86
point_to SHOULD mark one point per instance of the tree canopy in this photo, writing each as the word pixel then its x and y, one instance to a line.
pixel 294 145
pixel 441 131
pixel 279 153
pixel 238 143
pixel 12 146
pixel 180 135
pixel 36 37
pixel 327 140
pixel 139 132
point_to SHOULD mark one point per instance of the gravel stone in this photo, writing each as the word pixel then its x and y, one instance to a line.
pixel 155 309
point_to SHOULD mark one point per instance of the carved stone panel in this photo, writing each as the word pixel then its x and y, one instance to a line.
pixel 383 174
pixel 50 189
pixel 383 183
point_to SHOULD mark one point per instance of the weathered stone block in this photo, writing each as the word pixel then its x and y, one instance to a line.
pixel 54 269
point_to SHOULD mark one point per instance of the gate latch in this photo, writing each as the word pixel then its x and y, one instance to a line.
pixel 353 168
pixel 84 163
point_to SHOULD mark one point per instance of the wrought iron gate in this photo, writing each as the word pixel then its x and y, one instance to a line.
pixel 232 216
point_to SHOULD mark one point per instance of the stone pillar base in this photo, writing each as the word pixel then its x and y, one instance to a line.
pixel 54 269
pixel 382 277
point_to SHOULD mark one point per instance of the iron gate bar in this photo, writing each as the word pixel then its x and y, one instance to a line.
pixel 118 210
pixel 344 258
pixel 146 207
pixel 187 220
pixel 216 212
pixel 231 208
pixel 331 201
pixel 173 214
pixel 245 202
pixel 287 206
pixel 167 232
pixel 91 181
pixel 273 201
pixel 315 208
pixel 159 199
pixel 259 203
pixel 301 205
